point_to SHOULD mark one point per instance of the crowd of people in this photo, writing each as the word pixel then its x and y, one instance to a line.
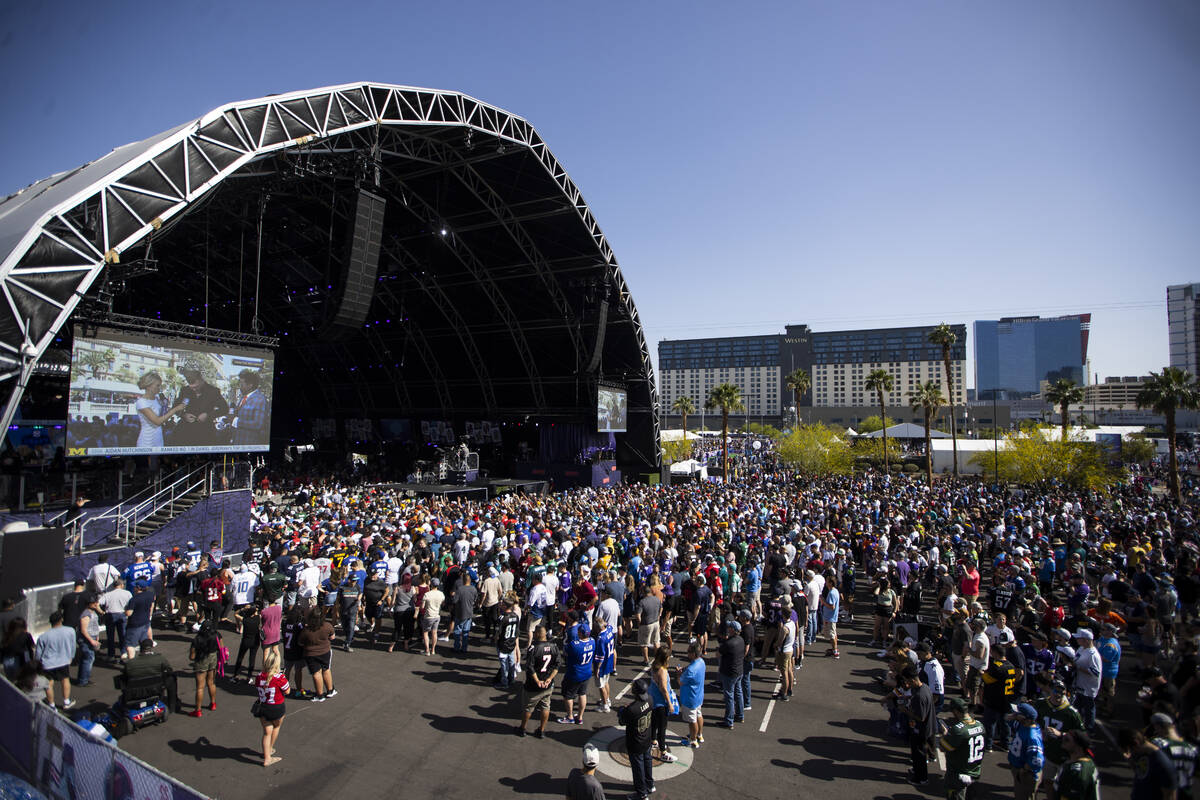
pixel 1001 613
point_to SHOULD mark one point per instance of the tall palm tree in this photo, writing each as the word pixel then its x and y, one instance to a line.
pixel 944 335
pixel 728 398
pixel 799 382
pixel 684 406
pixel 1064 393
pixel 927 397
pixel 1165 393
pixel 880 381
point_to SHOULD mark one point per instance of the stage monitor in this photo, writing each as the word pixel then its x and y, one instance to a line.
pixel 134 394
pixel 612 410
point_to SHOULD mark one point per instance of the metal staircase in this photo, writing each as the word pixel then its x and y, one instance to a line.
pixel 145 513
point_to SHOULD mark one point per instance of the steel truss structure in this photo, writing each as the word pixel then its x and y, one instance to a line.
pixel 494 274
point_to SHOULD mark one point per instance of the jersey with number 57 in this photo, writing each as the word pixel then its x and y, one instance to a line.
pixel 966 747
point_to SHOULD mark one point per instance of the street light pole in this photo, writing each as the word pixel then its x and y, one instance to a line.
pixel 996 438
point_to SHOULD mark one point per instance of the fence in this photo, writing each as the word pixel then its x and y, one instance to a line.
pixel 46 749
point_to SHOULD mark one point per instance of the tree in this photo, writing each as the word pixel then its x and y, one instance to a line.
pixel 1137 449
pixel 816 450
pixel 799 382
pixel 1031 457
pixel 98 360
pixel 876 451
pixel 874 423
pixel 880 381
pixel 928 398
pixel 678 450
pixel 726 397
pixel 1064 394
pixel 944 335
pixel 683 406
pixel 1165 393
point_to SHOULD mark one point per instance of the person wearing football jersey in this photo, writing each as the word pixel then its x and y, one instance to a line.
pixel 964 745
pixel 293 651
pixel 508 630
pixel 272 686
pixel 1057 716
pixel 606 658
pixel 541 667
pixel 212 589
pixel 580 651
pixel 1078 778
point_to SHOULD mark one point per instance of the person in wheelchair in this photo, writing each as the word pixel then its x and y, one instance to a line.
pixel 147 676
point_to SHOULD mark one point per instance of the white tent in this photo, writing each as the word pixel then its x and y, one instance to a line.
pixel 943 454
pixel 676 434
pixel 906 430
pixel 851 432
pixel 690 468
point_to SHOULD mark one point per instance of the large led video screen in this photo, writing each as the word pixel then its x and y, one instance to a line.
pixel 134 394
pixel 612 410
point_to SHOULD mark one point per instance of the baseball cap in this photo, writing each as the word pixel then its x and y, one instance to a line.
pixel 957 704
pixel 1084 634
pixel 591 756
pixel 1159 718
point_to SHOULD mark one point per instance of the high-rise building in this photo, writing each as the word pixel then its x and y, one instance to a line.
pixel 1014 355
pixel 838 363
pixel 1183 303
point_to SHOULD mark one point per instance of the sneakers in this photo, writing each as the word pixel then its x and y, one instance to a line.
pixel 836 655
pixel 196 713
pixel 566 720
pixel 68 703
pixel 913 780
pixel 320 698
pixel 744 708
pixel 212 706
pixel 692 743
pixel 539 734
pixel 521 732
pixel 668 757
pixel 331 693
pixel 700 738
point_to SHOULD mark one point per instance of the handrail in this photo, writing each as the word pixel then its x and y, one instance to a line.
pixel 113 514
pixel 165 496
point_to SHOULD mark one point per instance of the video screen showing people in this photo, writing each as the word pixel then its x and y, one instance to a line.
pixel 132 394
pixel 612 410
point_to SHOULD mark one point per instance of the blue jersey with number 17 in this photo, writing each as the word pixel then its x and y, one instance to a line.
pixel 606 652
pixel 579 659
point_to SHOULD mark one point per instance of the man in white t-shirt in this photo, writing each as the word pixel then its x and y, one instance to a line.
pixel 307 582
pixel 395 564
pixel 103 576
pixel 977 658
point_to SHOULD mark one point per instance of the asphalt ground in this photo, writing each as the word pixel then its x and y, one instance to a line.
pixel 435 727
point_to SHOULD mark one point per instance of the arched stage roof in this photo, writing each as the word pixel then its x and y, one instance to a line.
pixel 497 296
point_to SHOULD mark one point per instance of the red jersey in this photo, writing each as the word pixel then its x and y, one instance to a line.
pixel 272 689
pixel 213 588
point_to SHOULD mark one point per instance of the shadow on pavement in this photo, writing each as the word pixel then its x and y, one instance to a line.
pixel 203 750
pixel 872 728
pixel 537 783
pixel 833 747
pixel 469 725
pixel 823 769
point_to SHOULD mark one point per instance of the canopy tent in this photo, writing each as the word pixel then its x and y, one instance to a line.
pixel 690 467
pixel 905 430
pixel 851 432
pixel 677 434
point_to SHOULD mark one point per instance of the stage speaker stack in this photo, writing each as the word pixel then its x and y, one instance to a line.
pixel 366 232
pixel 29 557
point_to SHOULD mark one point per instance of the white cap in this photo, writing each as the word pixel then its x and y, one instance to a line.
pixel 591 756
pixel 139 554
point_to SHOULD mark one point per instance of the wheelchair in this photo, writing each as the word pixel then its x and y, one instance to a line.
pixel 143 702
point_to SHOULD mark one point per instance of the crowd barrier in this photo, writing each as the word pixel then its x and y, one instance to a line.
pixel 47 750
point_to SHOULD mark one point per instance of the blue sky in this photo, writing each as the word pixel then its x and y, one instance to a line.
pixel 842 164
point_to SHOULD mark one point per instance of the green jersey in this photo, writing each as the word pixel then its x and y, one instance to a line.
pixel 1077 780
pixel 965 745
pixel 1060 719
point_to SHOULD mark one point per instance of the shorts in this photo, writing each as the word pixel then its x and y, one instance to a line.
pixel 270 712
pixel 290 663
pixel 675 605
pixel 572 689
pixel 648 634
pixel 134 636
pixel 533 619
pixel 700 626
pixel 602 680
pixel 783 660
pixel 374 611
pixel 1108 688
pixel 830 627
pixel 429 623
pixel 59 673
pixel 690 714
pixel 205 663
pixel 317 663
pixel 974 678
pixel 536 699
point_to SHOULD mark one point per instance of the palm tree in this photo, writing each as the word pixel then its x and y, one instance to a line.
pixel 944 335
pixel 881 381
pixel 1064 393
pixel 684 406
pixel 927 397
pixel 799 382
pixel 1165 393
pixel 728 398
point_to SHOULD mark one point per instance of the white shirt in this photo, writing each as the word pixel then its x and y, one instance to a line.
pixel 789 636
pixel 308 580
pixel 979 662
pixel 1087 671
pixel 935 676
pixel 394 565
pixel 244 586
pixel 103 576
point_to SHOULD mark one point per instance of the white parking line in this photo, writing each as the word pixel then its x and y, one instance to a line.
pixel 770 707
pixel 629 685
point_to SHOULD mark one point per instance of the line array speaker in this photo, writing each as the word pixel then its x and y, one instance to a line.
pixel 363 263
